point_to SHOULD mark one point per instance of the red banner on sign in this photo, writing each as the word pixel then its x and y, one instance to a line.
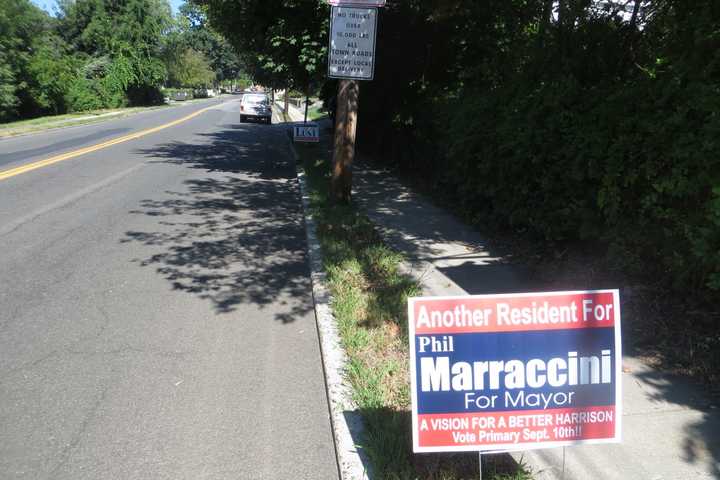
pixel 500 313
pixel 488 430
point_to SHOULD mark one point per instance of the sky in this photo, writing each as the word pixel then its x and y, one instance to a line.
pixel 49 5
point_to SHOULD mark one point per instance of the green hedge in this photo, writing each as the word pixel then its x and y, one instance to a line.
pixel 636 166
pixel 598 130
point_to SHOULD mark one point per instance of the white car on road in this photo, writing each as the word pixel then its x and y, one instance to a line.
pixel 255 105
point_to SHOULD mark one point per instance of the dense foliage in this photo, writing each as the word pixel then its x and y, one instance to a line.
pixel 103 54
pixel 282 42
pixel 196 55
pixel 571 120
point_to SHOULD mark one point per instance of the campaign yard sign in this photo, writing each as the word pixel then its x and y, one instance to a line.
pixel 306 132
pixel 515 371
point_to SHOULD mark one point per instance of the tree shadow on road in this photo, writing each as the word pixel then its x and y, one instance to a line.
pixel 233 236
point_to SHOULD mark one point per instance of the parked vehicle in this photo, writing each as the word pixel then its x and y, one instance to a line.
pixel 180 96
pixel 257 106
pixel 204 93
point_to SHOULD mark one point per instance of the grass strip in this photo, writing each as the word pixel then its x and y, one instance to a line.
pixel 316 113
pixel 21 127
pixel 369 303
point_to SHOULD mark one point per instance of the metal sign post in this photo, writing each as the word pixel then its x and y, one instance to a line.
pixel 352 43
pixel 351 57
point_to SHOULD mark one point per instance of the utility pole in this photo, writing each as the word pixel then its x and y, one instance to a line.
pixel 345 128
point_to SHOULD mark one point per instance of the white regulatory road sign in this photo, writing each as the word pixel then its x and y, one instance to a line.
pixel 352 43
pixel 357 3
pixel 307 132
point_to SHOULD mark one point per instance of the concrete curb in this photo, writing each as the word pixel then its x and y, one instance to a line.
pixel 346 421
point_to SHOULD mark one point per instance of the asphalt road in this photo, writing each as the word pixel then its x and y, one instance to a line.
pixel 157 319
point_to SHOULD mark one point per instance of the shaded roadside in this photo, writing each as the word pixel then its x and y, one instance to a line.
pixel 235 236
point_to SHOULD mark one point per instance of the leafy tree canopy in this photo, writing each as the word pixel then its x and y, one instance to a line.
pixel 22 25
pixel 283 42
pixel 191 30
pixel 189 68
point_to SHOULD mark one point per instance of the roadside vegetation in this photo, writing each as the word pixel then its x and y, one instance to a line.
pixel 316 113
pixel 570 121
pixel 369 303
pixel 103 54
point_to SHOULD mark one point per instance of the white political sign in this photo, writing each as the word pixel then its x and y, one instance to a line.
pixel 352 43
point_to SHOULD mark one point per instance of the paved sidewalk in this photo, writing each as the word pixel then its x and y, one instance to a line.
pixel 670 429
pixel 293 112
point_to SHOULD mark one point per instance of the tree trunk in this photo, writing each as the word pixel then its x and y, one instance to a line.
pixel 562 7
pixel 632 37
pixel 561 30
pixel 307 101
pixel 345 128
pixel 633 18
pixel 545 19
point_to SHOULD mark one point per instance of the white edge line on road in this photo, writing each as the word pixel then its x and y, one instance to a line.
pixel 346 421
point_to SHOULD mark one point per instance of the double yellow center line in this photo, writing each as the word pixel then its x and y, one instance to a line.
pixel 5 174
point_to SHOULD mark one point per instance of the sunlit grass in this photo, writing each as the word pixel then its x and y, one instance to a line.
pixel 71 119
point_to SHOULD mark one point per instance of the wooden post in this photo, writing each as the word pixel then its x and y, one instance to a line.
pixel 344 153
pixel 286 99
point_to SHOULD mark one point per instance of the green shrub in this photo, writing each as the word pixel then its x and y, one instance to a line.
pixel 635 165
pixel 86 95
pixel 8 99
pixel 145 95
pixel 169 92
pixel 52 72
